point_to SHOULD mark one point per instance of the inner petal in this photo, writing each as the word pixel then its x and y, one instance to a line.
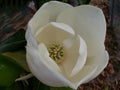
pixel 45 57
pixel 53 33
pixel 75 57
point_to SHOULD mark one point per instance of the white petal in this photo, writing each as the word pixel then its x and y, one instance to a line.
pixel 40 19
pixel 63 26
pixel 54 8
pixel 86 73
pixel 54 33
pixel 45 57
pixel 30 38
pixel 81 59
pixel 94 66
pixel 101 62
pixel 75 57
pixel 89 22
pixel 43 71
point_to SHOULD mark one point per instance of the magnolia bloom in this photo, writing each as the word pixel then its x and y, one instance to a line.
pixel 65 44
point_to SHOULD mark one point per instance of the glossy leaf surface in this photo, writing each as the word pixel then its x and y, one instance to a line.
pixel 13 43
pixel 9 71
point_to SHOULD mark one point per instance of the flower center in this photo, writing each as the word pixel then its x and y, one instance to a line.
pixel 56 52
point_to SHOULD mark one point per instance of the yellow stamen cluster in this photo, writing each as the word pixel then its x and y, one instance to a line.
pixel 56 52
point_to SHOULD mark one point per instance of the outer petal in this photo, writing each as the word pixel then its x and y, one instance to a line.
pixel 40 19
pixel 83 75
pixel 31 41
pixel 101 62
pixel 89 22
pixel 93 67
pixel 55 8
pixel 43 71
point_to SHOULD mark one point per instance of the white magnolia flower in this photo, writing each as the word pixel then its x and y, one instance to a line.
pixel 65 44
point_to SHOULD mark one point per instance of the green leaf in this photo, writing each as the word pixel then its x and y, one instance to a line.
pixel 13 43
pixel 16 86
pixel 18 57
pixel 9 71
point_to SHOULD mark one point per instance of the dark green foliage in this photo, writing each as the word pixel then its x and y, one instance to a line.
pixel 9 71
pixel 13 43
